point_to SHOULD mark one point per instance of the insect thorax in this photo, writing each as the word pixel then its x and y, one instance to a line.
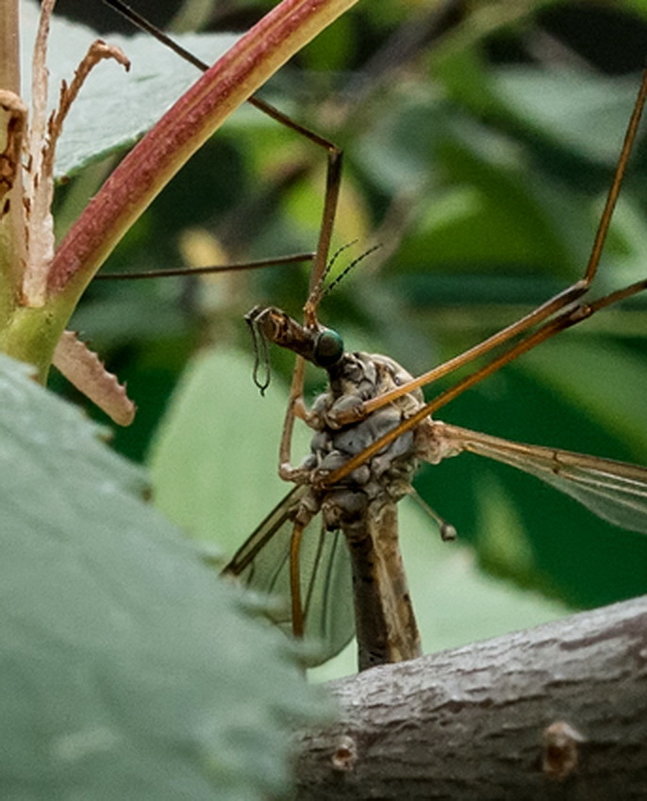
pixel 386 477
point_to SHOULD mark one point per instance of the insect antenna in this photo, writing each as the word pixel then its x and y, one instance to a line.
pixel 318 291
pixel 321 290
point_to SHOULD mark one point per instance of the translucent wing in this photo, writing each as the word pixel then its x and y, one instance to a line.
pixel 262 564
pixel 615 491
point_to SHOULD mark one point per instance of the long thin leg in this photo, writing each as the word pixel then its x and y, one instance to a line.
pixel 333 179
pixel 295 581
pixel 566 320
pixel 543 312
pixel 295 401
pixel 333 152
pixel 295 258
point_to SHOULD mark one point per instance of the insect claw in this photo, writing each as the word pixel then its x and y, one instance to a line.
pixel 295 474
pixel 318 479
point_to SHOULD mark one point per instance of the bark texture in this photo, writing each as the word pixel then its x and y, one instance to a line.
pixel 555 712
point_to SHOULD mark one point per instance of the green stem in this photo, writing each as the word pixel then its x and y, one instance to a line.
pixel 30 335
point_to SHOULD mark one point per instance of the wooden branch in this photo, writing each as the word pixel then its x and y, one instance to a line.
pixel 555 712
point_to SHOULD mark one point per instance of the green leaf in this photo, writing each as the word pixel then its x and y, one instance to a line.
pixel 575 109
pixel 114 108
pixel 592 375
pixel 215 456
pixel 127 670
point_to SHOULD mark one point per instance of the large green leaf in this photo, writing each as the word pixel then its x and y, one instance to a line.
pixel 128 670
pixel 214 459
pixel 575 109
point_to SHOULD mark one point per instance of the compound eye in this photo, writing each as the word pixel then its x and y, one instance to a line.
pixel 328 349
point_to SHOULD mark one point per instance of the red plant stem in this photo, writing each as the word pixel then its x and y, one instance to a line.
pixel 182 130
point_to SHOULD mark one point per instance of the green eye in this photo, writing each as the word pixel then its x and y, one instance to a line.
pixel 328 349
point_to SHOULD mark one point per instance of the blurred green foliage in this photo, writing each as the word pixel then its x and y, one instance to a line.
pixel 479 142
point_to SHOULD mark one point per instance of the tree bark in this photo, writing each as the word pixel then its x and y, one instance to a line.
pixel 555 712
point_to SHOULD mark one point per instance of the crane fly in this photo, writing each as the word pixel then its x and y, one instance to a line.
pixel 372 428
pixel 337 527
